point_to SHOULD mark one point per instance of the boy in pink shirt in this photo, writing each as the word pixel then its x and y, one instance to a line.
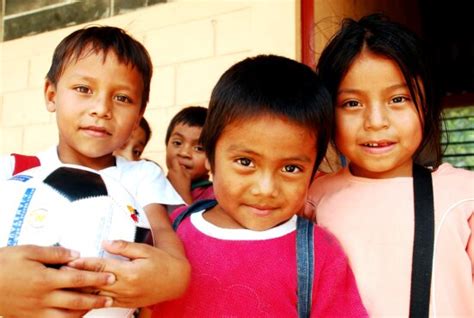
pixel 266 133
pixel 185 157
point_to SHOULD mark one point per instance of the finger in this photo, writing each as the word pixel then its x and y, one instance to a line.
pixel 49 254
pixel 175 164
pixel 85 290
pixel 59 313
pixel 73 278
pixel 94 264
pixel 73 300
pixel 128 249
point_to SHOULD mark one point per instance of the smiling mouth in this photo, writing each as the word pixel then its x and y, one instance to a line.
pixel 377 144
pixel 261 210
pixel 96 131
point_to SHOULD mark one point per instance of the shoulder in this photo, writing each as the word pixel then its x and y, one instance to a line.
pixel 327 246
pixel 328 183
pixel 178 211
pixel 142 171
pixel 7 165
pixel 330 178
pixel 141 166
pixel 447 170
pixel 447 175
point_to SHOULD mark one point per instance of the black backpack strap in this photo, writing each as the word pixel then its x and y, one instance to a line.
pixel 423 243
pixel 195 207
pixel 305 265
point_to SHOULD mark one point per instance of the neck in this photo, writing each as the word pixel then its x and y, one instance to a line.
pixel 92 163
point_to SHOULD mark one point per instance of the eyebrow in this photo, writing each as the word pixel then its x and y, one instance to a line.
pixel 119 86
pixel 177 134
pixel 238 148
pixel 354 90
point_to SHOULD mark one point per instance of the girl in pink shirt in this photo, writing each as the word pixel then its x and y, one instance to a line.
pixel 407 229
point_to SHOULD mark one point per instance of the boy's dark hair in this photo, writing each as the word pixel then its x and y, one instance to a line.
pixel 97 39
pixel 193 116
pixel 146 128
pixel 377 34
pixel 269 85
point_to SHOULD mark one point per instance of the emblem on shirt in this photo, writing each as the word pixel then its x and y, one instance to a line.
pixel 133 213
pixel 37 218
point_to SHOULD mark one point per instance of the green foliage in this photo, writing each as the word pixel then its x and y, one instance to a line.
pixel 459 124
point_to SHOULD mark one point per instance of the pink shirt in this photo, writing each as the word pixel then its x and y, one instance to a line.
pixel 202 190
pixel 374 221
pixel 244 273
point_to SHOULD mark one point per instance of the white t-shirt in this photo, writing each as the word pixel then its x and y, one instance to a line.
pixel 143 179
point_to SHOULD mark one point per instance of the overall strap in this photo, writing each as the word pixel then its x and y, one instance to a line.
pixel 305 265
pixel 23 162
pixel 423 243
pixel 195 207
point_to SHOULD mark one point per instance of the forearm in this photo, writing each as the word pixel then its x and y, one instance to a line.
pixel 182 184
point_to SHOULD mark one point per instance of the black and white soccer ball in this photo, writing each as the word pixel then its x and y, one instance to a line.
pixel 72 206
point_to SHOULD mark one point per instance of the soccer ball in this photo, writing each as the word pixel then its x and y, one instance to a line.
pixel 72 206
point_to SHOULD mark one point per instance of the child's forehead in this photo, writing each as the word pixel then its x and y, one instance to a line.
pixel 185 129
pixel 91 52
pixel 267 120
pixel 274 138
pixel 88 64
pixel 267 129
pixel 185 126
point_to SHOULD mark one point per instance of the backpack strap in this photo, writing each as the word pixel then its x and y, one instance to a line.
pixel 305 265
pixel 195 207
pixel 423 243
pixel 23 162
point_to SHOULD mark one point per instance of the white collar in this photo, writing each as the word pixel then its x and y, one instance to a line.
pixel 214 231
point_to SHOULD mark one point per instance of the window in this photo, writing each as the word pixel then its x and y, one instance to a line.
pixel 22 18
pixel 459 124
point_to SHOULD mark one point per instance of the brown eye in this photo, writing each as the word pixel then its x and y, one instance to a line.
pixel 399 99
pixel 352 103
pixel 291 169
pixel 244 162
pixel 198 148
pixel 123 99
pixel 82 89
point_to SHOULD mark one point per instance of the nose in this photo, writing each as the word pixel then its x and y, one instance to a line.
pixel 185 151
pixel 376 117
pixel 101 107
pixel 265 184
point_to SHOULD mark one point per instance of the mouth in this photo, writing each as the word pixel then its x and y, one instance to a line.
pixel 378 144
pixel 378 147
pixel 96 131
pixel 261 210
pixel 185 165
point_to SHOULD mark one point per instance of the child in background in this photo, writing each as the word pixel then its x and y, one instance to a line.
pixel 266 133
pixel 135 145
pixel 388 120
pixel 185 157
pixel 98 86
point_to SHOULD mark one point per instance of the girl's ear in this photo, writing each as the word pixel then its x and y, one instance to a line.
pixel 50 96
pixel 207 165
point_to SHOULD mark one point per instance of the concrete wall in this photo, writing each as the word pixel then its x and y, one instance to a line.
pixel 191 42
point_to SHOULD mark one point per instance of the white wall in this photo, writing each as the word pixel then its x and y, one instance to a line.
pixel 191 42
